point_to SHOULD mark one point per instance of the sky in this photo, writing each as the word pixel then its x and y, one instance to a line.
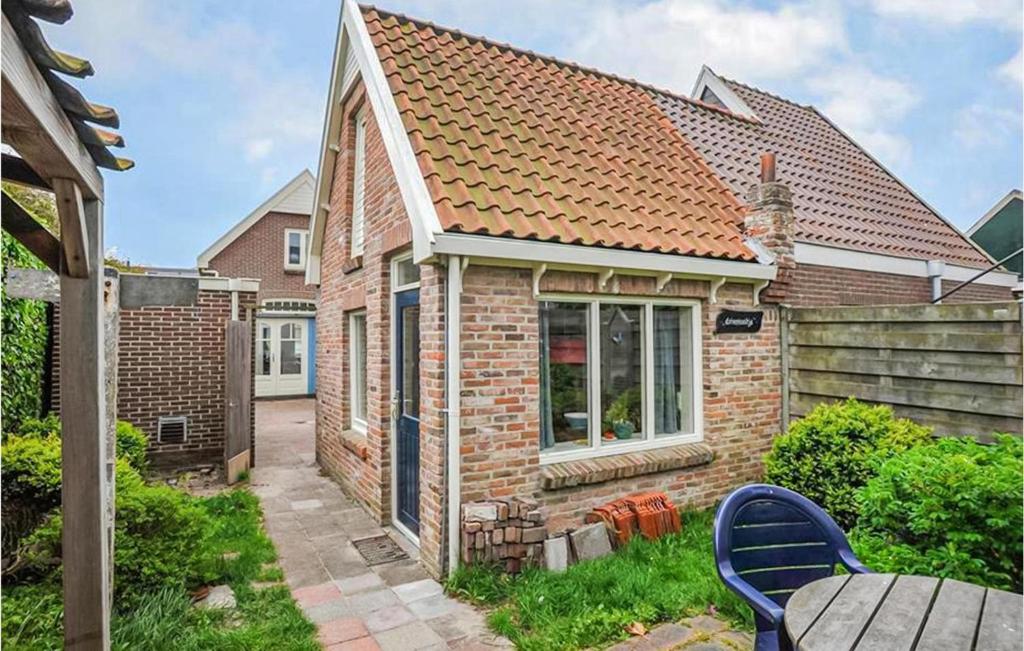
pixel 222 103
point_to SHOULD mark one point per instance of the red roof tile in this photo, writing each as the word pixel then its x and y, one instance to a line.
pixel 518 145
pixel 841 196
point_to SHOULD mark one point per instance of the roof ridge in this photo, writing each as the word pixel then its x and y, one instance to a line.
pixel 565 63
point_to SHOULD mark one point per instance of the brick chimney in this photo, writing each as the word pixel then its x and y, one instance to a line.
pixel 770 221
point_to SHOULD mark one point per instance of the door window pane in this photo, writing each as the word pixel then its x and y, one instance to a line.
pixel 358 366
pixel 406 272
pixel 263 364
pixel 411 361
pixel 565 419
pixel 622 371
pixel 673 386
pixel 291 350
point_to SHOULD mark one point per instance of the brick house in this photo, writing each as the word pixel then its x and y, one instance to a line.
pixel 270 244
pixel 526 273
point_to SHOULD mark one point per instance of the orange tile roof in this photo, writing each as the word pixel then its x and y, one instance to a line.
pixel 518 145
pixel 841 196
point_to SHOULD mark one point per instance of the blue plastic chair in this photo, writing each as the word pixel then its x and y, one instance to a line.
pixel 770 541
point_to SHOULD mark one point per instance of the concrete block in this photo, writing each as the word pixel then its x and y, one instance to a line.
pixel 556 554
pixel 480 512
pixel 591 541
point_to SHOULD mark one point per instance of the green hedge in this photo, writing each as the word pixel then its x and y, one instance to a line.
pixel 952 509
pixel 829 454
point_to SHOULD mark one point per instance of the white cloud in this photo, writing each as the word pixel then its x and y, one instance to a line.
pixel 981 125
pixel 954 13
pixel 665 42
pixel 869 107
pixel 1013 70
pixel 257 149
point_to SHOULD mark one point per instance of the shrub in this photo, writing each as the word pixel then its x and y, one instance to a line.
pixel 49 425
pixel 29 484
pixel 131 445
pixel 952 509
pixel 834 450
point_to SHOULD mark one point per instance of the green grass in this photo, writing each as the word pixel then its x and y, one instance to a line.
pixel 591 603
pixel 266 619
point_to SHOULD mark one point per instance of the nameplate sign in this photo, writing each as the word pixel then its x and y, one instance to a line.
pixel 731 321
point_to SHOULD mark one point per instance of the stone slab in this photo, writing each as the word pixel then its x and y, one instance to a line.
pixel 220 596
pixel 479 512
pixel 590 541
pixel 556 554
pixel 408 592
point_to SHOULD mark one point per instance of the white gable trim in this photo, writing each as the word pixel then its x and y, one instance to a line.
pixel 283 198
pixel 830 256
pixel 994 210
pixel 708 79
pixel 354 41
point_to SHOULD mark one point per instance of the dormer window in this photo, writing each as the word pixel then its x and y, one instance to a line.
pixel 294 249
pixel 709 97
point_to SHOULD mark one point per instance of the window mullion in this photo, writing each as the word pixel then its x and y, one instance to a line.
pixel 594 372
pixel 648 384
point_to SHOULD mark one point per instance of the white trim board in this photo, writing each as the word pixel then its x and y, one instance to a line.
pixel 828 256
pixel 294 197
pixel 994 210
pixel 411 184
pixel 592 257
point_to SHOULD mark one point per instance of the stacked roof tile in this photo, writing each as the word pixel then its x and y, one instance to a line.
pixel 514 144
pixel 841 196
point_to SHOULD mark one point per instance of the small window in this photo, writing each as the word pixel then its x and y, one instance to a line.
pixel 357 369
pixel 294 249
pixel 359 184
pixel 709 97
pixel 172 429
pixel 407 272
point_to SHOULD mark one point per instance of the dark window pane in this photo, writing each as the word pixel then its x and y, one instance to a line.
pixel 622 372
pixel 411 361
pixel 565 420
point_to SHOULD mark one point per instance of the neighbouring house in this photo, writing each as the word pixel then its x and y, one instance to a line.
pixel 269 244
pixel 534 282
pixel 1000 231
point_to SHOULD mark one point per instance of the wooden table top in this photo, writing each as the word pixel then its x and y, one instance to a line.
pixel 889 611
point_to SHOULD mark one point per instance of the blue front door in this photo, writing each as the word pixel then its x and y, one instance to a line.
pixel 407 384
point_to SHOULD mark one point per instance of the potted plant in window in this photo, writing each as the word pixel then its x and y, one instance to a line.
pixel 617 415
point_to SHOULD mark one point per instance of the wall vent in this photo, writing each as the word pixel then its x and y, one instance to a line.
pixel 172 429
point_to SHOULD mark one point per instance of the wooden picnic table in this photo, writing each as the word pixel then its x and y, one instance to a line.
pixel 890 611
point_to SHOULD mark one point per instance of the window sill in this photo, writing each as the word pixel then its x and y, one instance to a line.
pixel 355 442
pixel 598 470
pixel 295 270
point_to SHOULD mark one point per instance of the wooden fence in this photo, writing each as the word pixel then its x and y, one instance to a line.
pixel 956 368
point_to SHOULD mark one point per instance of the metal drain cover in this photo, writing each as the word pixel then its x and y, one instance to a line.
pixel 379 550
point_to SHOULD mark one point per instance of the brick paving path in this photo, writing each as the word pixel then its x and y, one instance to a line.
pixel 702 633
pixel 312 523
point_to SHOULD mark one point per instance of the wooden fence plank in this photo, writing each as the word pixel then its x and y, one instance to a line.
pixel 238 370
pixel 839 338
pixel 1001 311
pixel 849 361
pixel 997 406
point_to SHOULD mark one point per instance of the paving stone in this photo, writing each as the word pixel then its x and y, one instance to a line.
pixel 705 623
pixel 591 541
pixel 367 602
pixel 314 595
pixel 432 607
pixel 387 618
pixel 304 505
pixel 400 572
pixel 306 576
pixel 359 644
pixel 340 630
pixel 451 627
pixel 736 639
pixel 556 554
pixel 418 590
pixel 360 583
pixel 340 567
pixel 328 611
pixel 220 596
pixel 411 636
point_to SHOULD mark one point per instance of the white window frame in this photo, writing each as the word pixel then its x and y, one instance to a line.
pixel 651 440
pixel 303 237
pixel 357 423
pixel 395 261
pixel 358 236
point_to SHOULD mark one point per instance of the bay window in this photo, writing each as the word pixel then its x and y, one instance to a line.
pixel 617 374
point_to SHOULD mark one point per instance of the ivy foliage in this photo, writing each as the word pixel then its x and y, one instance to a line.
pixel 952 509
pixel 829 454
pixel 24 321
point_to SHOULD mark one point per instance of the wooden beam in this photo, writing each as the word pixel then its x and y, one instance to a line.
pixel 16 170
pixel 35 124
pixel 23 227
pixel 85 485
pixel 74 238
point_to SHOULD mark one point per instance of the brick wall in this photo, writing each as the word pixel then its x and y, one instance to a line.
pixel 815 286
pixel 500 420
pixel 171 363
pixel 259 253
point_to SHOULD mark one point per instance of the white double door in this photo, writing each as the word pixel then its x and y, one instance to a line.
pixel 282 366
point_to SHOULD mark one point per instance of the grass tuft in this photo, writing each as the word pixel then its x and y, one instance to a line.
pixel 591 603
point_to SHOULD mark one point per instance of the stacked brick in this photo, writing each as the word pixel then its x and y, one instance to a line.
pixel 510 532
